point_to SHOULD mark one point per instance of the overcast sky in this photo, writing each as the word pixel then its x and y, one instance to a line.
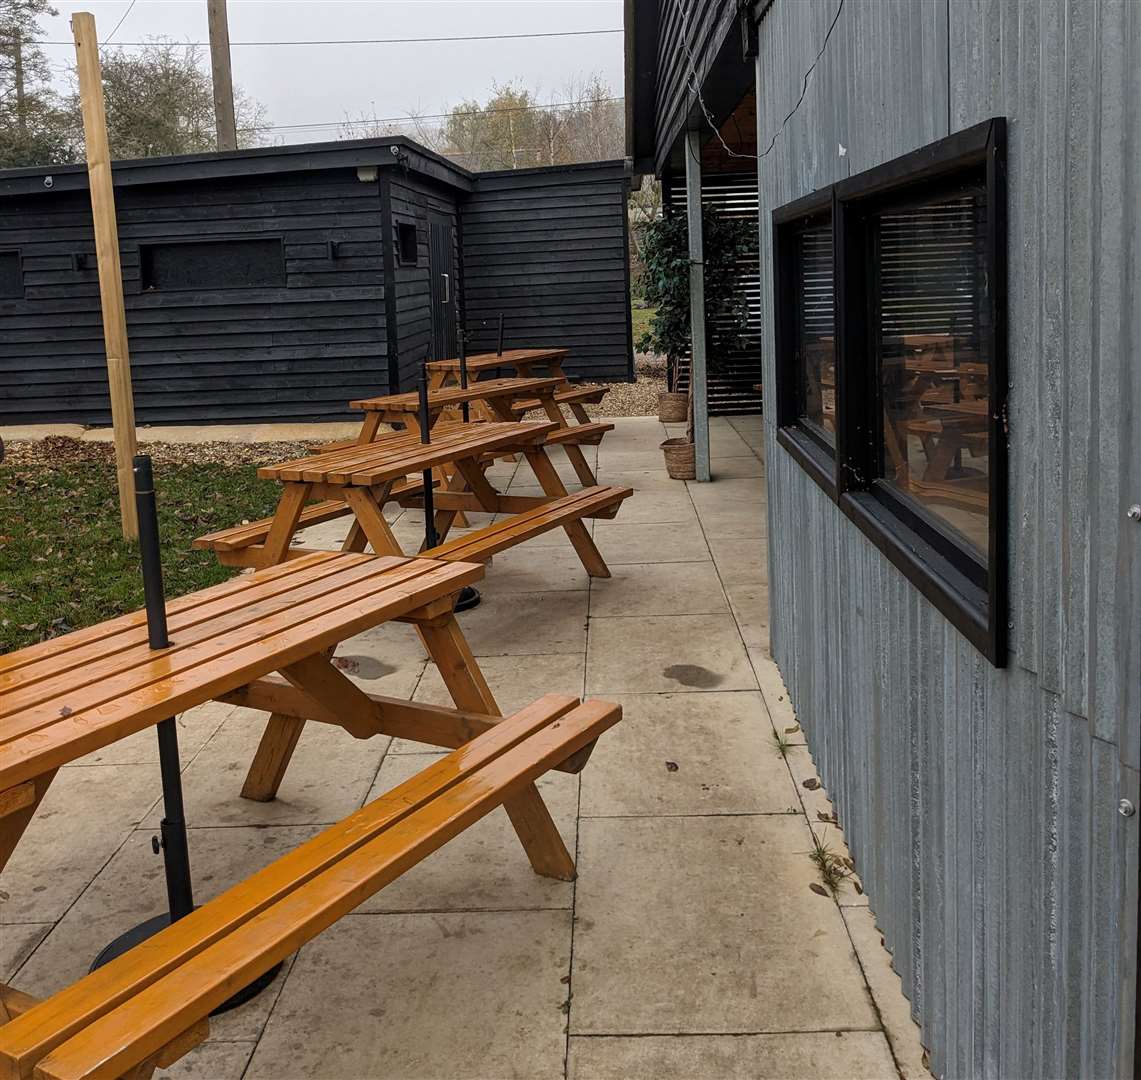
pixel 319 84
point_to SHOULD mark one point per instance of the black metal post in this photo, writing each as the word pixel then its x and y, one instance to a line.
pixel 499 339
pixel 175 848
pixel 463 372
pixel 173 844
pixel 426 438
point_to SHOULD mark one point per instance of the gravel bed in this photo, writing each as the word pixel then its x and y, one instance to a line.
pixel 61 450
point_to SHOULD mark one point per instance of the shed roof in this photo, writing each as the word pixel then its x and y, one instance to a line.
pixel 390 152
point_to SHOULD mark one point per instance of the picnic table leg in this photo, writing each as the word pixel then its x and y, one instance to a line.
pixel 274 752
pixel 17 807
pixel 576 531
pixel 529 815
pixel 279 740
pixel 369 428
pixel 284 525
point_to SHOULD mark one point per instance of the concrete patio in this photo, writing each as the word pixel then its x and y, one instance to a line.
pixel 692 943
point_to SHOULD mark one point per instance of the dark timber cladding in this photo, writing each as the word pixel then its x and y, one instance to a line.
pixel 282 282
pixel 200 349
pixel 548 249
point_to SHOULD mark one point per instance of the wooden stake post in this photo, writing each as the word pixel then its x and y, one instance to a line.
pixel 107 253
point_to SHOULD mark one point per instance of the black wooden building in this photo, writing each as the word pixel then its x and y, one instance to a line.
pixel 278 283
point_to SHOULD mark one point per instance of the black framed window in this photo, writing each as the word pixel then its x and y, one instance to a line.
pixel 919 249
pixel 207 265
pixel 407 244
pixel 806 334
pixel 11 276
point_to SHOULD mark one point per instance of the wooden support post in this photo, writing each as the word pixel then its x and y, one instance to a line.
pixel 698 385
pixel 107 254
pixel 224 124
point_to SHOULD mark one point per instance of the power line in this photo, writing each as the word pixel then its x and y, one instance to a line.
pixel 359 41
pixel 430 116
pixel 123 19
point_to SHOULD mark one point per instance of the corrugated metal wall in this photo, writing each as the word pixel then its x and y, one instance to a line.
pixel 981 804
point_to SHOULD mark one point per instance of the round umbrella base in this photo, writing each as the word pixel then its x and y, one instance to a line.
pixel 467 599
pixel 151 927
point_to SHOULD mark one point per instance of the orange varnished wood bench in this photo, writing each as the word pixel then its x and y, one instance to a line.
pixel 151 1001
pixel 66 697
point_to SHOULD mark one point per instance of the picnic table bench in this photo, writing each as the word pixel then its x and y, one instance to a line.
pixel 68 696
pixel 361 479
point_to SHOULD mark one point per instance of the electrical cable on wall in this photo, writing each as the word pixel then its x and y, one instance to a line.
pixel 694 83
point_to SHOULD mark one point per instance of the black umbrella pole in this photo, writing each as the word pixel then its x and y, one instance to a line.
pixel 463 374
pixel 426 438
pixel 499 340
pixel 175 847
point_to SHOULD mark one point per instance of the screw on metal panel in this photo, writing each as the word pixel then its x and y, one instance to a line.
pixel 1126 808
pixel 1134 512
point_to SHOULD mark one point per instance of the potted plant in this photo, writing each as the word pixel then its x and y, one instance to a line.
pixel 665 284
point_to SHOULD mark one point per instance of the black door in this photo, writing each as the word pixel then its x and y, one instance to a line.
pixel 442 268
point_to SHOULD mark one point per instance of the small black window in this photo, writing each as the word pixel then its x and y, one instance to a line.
pixel 406 244
pixel 900 412
pixel 207 265
pixel 11 275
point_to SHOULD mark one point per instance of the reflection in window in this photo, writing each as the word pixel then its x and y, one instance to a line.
pixel 930 292
pixel 815 332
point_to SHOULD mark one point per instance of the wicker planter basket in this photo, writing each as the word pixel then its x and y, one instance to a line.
pixel 680 461
pixel 673 408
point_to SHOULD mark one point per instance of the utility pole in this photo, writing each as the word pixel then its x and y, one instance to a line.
pixel 225 127
pixel 102 187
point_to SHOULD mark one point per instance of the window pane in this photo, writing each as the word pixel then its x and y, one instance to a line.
pixel 11 280
pixel 934 367
pixel 815 332
pixel 213 264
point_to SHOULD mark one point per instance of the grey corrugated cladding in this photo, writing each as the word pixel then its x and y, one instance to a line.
pixel 981 804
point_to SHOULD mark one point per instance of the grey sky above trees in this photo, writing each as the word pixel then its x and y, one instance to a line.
pixel 324 85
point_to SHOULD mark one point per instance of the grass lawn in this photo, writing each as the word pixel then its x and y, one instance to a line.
pixel 641 319
pixel 63 561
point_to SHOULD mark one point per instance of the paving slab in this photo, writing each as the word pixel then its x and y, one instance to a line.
pixel 519 624
pixel 195 728
pixel 750 604
pixel 740 559
pixel 525 569
pixel 649 506
pixel 621 544
pixel 17 941
pixel 687 754
pixel 514 681
pixel 485 867
pixel 736 466
pixel 819 1055
pixel 662 653
pixel 132 887
pixel 659 589
pixel 902 1031
pixel 211 1061
pixel 466 996
pixel 328 777
pixel 87 813
pixel 734 919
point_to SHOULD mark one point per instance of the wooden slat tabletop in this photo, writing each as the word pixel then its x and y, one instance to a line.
pixel 394 456
pixel 508 387
pixel 65 697
pixel 509 358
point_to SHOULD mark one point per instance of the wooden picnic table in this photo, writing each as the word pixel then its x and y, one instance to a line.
pixel 499 398
pixel 74 694
pixel 362 477
pixel 443 373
